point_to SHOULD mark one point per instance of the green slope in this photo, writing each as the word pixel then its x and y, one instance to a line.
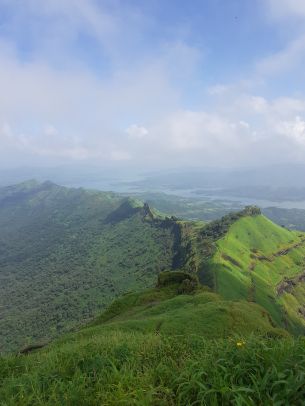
pixel 261 262
pixel 168 310
pixel 66 253
pixel 164 347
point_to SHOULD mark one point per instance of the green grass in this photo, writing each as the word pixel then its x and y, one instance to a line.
pixel 66 253
pixel 202 313
pixel 158 347
pixel 124 368
pixel 247 265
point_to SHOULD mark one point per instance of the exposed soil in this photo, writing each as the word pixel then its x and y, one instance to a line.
pixel 287 285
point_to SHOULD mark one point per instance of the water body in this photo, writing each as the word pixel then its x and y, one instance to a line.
pixel 262 203
pixel 232 200
pixel 131 187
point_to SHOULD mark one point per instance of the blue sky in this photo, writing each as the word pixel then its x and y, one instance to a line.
pixel 160 83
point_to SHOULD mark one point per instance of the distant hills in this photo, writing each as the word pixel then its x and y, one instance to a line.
pixel 276 183
pixel 277 176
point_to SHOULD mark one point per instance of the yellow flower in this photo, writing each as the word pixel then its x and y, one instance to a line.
pixel 240 343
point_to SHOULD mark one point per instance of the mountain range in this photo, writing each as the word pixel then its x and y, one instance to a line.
pixel 105 300
pixel 66 253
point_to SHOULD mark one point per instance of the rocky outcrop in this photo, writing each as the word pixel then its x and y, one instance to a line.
pixel 287 285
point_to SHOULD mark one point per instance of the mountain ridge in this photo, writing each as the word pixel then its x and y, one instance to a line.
pixel 67 253
pixel 61 262
pixel 155 343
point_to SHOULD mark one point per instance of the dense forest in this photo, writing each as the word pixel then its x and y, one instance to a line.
pixel 66 253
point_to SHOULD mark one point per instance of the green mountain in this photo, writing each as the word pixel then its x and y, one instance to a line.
pixel 255 260
pixel 232 298
pixel 66 253
pixel 245 256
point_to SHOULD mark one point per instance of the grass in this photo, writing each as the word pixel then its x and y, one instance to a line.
pixel 66 253
pixel 204 313
pixel 220 346
pixel 248 265
pixel 124 368
pixel 159 347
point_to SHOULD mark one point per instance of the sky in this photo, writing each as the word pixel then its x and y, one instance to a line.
pixel 152 84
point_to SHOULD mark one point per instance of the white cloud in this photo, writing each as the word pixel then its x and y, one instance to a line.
pixel 219 89
pixel 6 131
pixel 136 131
pixel 190 130
pixel 244 124
pixel 79 106
pixel 56 24
pixel 55 106
pixel 48 144
pixel 287 8
pixel 291 56
pixel 294 129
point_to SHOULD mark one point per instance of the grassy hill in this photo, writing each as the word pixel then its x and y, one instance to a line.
pixel 219 327
pixel 164 347
pixel 261 262
pixel 179 307
pixel 66 253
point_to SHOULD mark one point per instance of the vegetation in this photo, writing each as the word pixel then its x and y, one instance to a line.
pixel 157 348
pixel 229 294
pixel 190 208
pixel 123 368
pixel 252 261
pixel 293 219
pixel 218 228
pixel 66 253
pixel 206 209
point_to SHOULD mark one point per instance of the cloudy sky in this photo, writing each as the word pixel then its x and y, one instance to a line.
pixel 160 83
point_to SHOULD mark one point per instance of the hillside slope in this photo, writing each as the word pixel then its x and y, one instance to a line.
pixel 253 259
pixel 66 253
pixel 179 305
pixel 157 348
